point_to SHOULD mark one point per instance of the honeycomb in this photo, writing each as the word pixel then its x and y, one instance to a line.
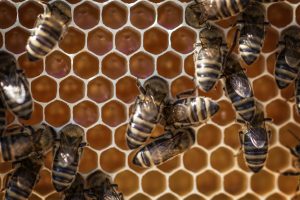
pixel 86 79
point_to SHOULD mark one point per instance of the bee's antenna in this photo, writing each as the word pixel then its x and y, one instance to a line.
pixel 295 136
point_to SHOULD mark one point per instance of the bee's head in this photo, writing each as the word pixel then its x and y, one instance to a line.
pixel 157 87
pixel 61 10
pixel 195 15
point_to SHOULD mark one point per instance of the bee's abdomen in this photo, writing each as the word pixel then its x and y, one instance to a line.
pixel 284 74
pixel 17 191
pixel 207 73
pixel 62 176
pixel 44 39
pixel 228 8
pixel 138 131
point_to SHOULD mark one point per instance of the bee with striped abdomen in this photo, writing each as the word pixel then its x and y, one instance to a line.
pixel 238 88
pixel 255 141
pixel 251 23
pixel 147 111
pixel 67 153
pixel 14 87
pixel 76 190
pixel 100 187
pixel 20 183
pixel 165 147
pixel 19 142
pixel 203 10
pixel 208 57
pixel 49 29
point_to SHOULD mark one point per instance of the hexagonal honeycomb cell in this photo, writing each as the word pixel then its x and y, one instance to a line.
pixel 89 79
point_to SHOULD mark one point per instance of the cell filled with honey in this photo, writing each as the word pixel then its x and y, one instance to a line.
pixel 73 41
pixel 44 89
pixel 85 113
pixel 16 40
pixel 85 65
pixel 100 89
pixel 31 69
pixel 169 65
pixel 127 181
pixel 86 15
pixel 142 15
pixel 114 15
pixel 153 183
pixel 128 40
pixel 28 13
pixel 113 113
pixel 155 40
pixel 58 64
pixel 169 15
pixel 71 89
pixel 100 41
pixel 208 182
pixel 183 39
pixel 114 65
pixel 141 65
pixel 235 182
pixel 112 160
pixel 195 159
pixel 181 182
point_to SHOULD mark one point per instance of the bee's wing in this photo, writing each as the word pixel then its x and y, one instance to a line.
pixel 292 56
pixel 211 52
pixel 258 136
pixel 241 85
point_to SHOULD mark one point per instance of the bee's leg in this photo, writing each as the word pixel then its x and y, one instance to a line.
pixel 269 134
pixel 241 121
pixel 241 142
pixel 186 93
pixel 140 87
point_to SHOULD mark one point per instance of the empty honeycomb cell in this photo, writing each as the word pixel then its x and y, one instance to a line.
pixel 120 137
pixel 44 185
pixel 222 159
pixel 58 64
pixel 127 182
pixel 169 15
pixel 195 159
pixel 28 13
pixel 278 159
pixel 265 88
pixel 85 65
pixel 155 40
pixel 189 65
pixel 71 89
pixel 194 197
pixel 112 160
pixel 73 41
pixel 85 113
pixel 181 182
pixel 57 113
pixel 167 196
pixel 181 84
pixel 183 39
pixel 249 196
pixel 276 196
pixel 16 40
pixel 208 182
pixel 133 166
pixel 235 182
pixel 221 196
pixel 215 93
pixel 231 136
pixel 48 160
pixel 256 68
pixel 280 14
pixel 43 89
pixel 209 136
pixel 100 41
pixel 123 86
pixel 86 15
pixel 31 69
pixel 288 184
pixel 114 65
pixel 170 165
pixel 140 196
pixel 285 136
pixel 279 111
pixel 113 113
pixel 154 183
pixel 262 182
pixel 99 137
pixel 169 65
pixel 88 161
pixel 141 65
pixel 271 39
pixel 142 15
pixel 288 92
pixel 114 15
pixel 271 61
pixel 53 196
pixel 128 40
pixel 226 113
pixel 100 89
pixel 8 14
pixel 36 116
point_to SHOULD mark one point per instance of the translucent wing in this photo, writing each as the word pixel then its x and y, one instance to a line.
pixel 258 136
pixel 292 56
pixel 211 53
pixel 241 85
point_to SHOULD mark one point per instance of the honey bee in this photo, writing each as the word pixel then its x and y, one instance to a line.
pixel 208 57
pixel 18 142
pixel 284 73
pixel 251 23
pixel 297 94
pixel 49 29
pixel 20 183
pixel 238 88
pixel 201 11
pixel 165 147
pixel 100 187
pixel 76 190
pixel 14 87
pixel 147 111
pixel 2 117
pixel 66 156
pixel 255 141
